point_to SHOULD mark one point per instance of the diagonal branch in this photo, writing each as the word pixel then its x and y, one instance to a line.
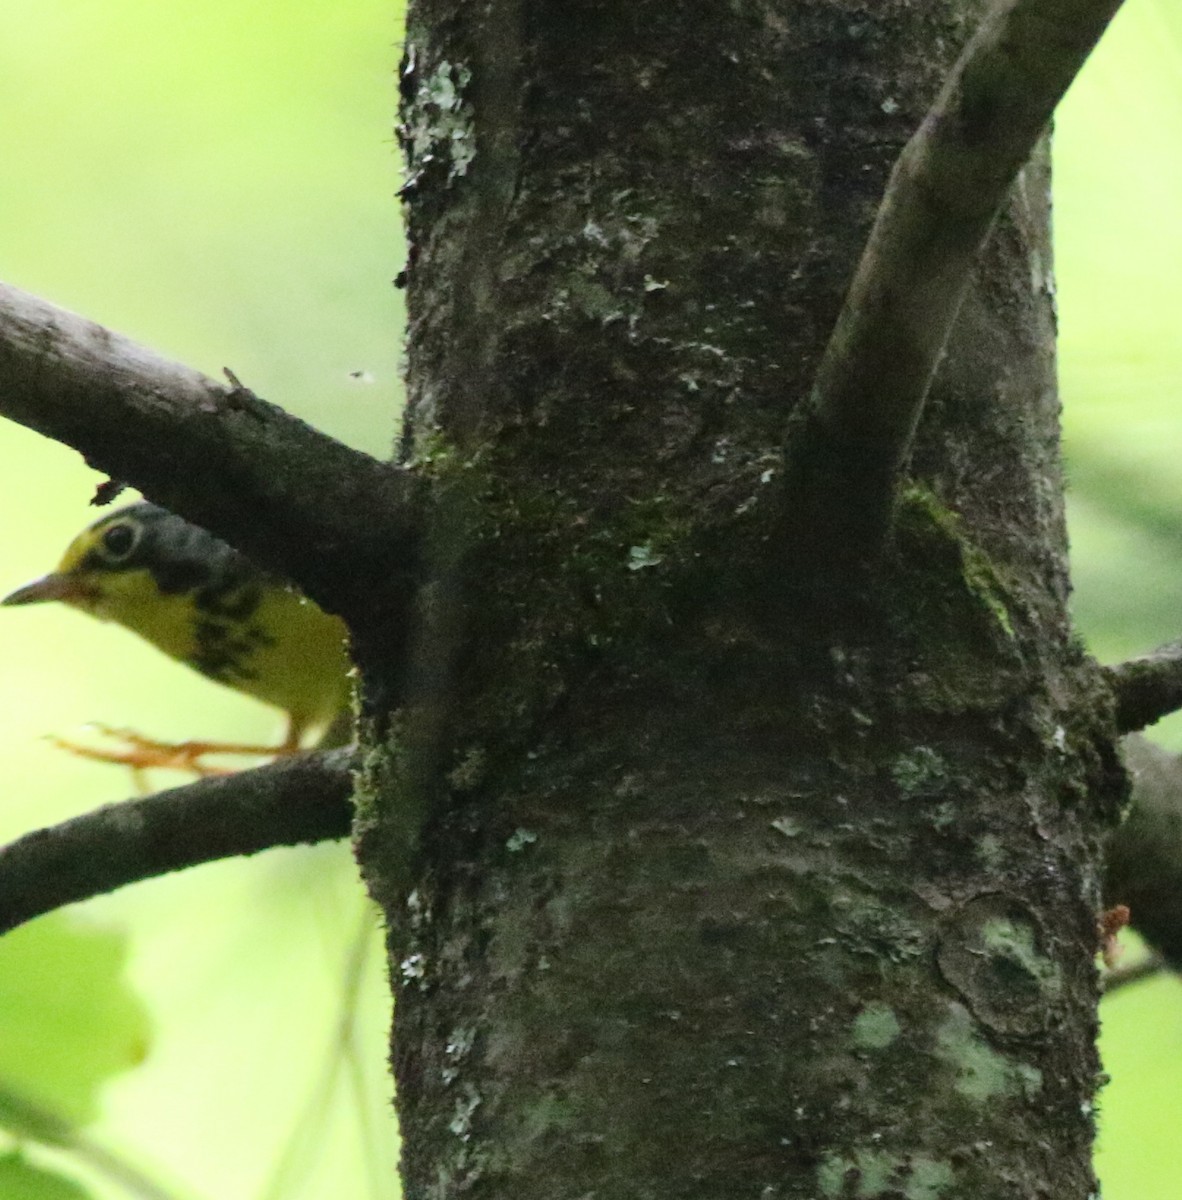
pixel 336 521
pixel 297 800
pixel 848 445
pixel 1147 688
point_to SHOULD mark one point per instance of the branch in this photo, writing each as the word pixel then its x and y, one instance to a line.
pixel 848 445
pixel 296 800
pixel 1148 967
pixel 1143 860
pixel 296 501
pixel 1147 688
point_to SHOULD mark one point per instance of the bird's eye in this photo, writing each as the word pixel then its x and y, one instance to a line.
pixel 119 541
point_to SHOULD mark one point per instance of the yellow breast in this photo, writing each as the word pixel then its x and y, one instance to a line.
pixel 203 603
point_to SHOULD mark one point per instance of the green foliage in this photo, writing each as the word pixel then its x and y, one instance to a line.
pixel 68 1020
pixel 21 1180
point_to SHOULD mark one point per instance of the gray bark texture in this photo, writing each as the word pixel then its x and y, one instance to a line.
pixel 740 876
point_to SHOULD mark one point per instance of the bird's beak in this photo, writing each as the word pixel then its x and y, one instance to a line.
pixel 58 586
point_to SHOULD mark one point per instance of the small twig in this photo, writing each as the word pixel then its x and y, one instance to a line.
pixel 1120 977
pixel 107 492
pixel 296 800
pixel 342 1053
pixel 1147 688
pixel 851 438
pixel 338 522
pixel 34 1120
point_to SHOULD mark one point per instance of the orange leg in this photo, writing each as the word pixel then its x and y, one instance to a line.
pixel 141 753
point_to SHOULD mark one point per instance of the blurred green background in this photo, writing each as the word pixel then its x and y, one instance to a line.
pixel 1118 195
pixel 216 180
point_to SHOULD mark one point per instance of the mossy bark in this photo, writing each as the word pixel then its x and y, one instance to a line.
pixel 736 879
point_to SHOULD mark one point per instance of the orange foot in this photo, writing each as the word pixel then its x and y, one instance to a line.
pixel 1108 926
pixel 142 754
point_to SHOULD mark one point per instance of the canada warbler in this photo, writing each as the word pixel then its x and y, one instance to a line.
pixel 206 605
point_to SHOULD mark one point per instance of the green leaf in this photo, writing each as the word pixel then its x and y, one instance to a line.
pixel 20 1180
pixel 68 1020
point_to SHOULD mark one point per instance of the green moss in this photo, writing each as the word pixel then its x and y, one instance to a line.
pixel 984 583
pixel 991 851
pixel 875 1027
pixel 918 504
pixel 928 1180
pixel 867 1173
pixel 613 558
pixel 1014 944
pixel 921 515
pixel 595 582
pixel 920 772
pixel 595 300
pixel 434 452
pixel 951 611
pixel 469 773
pixel 390 807
pixel 368 783
pixel 944 815
pixel 643 532
pixel 982 1074
pixel 379 785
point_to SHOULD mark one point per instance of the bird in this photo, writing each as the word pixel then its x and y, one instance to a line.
pixel 208 606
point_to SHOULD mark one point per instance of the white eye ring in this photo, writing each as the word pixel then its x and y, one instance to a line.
pixel 119 540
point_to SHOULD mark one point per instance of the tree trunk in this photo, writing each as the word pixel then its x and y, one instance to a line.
pixel 741 877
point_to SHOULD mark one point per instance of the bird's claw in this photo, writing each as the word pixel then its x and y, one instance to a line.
pixel 141 753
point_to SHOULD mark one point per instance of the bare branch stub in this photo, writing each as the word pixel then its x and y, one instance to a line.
pixel 1143 856
pixel 847 446
pixel 1122 976
pixel 297 800
pixel 1147 688
pixel 339 523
